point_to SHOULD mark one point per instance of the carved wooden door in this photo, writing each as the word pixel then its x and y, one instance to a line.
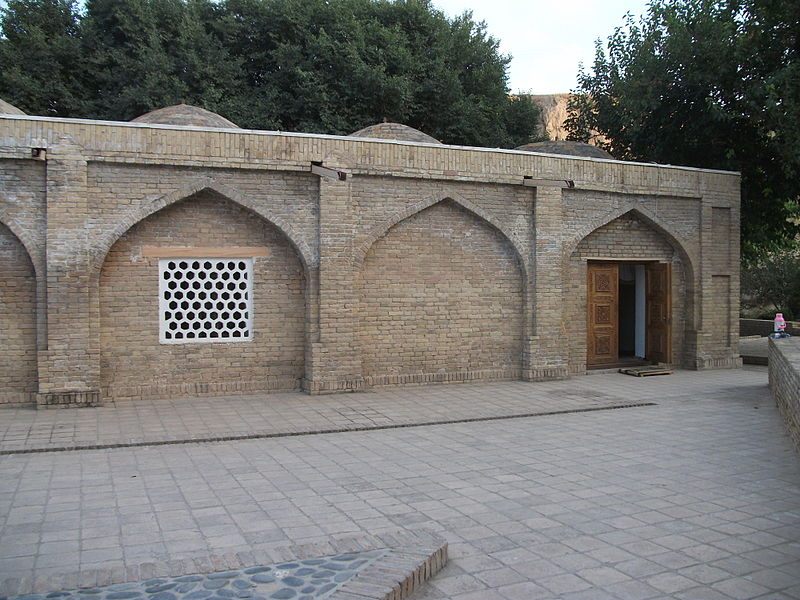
pixel 603 314
pixel 659 313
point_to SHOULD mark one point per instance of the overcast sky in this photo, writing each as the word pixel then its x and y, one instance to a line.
pixel 547 39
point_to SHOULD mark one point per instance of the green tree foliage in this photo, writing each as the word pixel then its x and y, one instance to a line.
pixel 146 54
pixel 40 54
pixel 706 83
pixel 326 66
pixel 337 66
pixel 771 283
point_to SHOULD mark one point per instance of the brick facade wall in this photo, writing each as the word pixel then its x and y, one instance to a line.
pixel 511 255
pixel 129 324
pixel 378 201
pixel 441 298
pixel 18 375
pixel 121 193
pixel 784 381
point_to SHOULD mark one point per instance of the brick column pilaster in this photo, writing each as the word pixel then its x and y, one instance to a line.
pixel 717 339
pixel 546 349
pixel 68 369
pixel 335 360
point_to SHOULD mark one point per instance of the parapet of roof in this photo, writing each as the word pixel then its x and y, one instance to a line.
pixel 394 131
pixel 186 114
pixel 567 147
pixel 9 109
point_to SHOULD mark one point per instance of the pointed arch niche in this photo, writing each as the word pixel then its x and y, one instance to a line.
pixel 627 237
pixel 441 298
pixel 18 348
pixel 128 304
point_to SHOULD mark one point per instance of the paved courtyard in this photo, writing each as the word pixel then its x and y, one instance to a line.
pixel 697 496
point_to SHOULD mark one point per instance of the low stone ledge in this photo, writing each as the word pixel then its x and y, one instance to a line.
pixel 69 399
pixel 465 376
pixel 546 373
pixel 333 385
pixel 784 382
pixel 728 361
pixel 17 399
pixel 266 385
pixel 399 573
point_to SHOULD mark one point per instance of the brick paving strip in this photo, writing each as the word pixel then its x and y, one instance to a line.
pixel 139 423
pixel 352 427
pixel 390 566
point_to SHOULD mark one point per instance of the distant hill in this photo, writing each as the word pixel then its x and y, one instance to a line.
pixel 553 114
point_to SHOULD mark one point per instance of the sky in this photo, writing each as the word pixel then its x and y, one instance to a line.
pixel 546 38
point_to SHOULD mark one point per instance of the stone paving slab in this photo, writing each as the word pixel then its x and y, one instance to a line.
pixel 695 497
pixel 241 417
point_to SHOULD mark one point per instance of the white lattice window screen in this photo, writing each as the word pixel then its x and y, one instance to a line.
pixel 205 300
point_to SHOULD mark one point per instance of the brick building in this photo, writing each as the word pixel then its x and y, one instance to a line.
pixel 178 255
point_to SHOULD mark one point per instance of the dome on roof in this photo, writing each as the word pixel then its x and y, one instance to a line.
pixel 185 114
pixel 9 109
pixel 567 147
pixel 394 131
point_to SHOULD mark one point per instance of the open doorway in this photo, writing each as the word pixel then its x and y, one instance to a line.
pixel 629 307
pixel 631 312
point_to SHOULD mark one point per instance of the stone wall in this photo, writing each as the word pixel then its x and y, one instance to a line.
pixel 494 254
pixel 129 309
pixel 784 381
pixel 441 299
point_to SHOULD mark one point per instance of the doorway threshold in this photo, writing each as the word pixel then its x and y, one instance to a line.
pixel 619 364
pixel 648 371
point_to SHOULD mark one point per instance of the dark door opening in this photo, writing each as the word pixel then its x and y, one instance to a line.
pixel 627 316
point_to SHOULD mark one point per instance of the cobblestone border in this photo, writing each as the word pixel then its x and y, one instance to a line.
pixel 411 560
pixel 310 579
pixel 280 434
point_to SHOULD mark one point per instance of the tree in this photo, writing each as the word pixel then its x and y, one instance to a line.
pixel 323 66
pixel 771 283
pixel 334 67
pixel 520 112
pixel 706 83
pixel 40 49
pixel 147 54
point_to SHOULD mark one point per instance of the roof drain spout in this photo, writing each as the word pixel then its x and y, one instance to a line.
pixel 327 173
pixel 529 181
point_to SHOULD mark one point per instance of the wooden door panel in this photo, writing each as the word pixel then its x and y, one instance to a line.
pixel 602 296
pixel 659 313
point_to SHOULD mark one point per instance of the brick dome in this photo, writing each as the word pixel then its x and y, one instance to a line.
pixel 567 147
pixel 185 114
pixel 9 109
pixel 394 131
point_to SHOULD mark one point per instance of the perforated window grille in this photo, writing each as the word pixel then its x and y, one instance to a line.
pixel 205 300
